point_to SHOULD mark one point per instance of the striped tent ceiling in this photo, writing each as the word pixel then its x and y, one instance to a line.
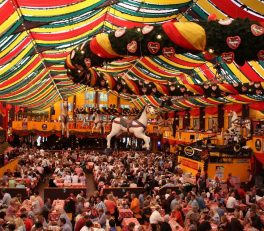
pixel 36 37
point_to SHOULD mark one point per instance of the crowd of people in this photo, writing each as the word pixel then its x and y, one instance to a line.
pixel 170 200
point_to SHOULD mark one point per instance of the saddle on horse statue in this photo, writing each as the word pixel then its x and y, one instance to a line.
pixel 128 123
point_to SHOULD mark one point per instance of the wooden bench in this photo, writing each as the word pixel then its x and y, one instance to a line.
pixel 62 193
pixel 121 191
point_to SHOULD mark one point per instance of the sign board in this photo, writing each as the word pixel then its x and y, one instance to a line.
pixel 219 171
pixel 190 164
pixel 189 151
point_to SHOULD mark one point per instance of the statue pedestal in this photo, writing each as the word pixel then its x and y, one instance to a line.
pixel 108 151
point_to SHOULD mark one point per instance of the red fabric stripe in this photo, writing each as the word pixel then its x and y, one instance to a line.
pixel 250 73
pixel 176 36
pixel 243 99
pixel 233 107
pixel 197 88
pixel 46 3
pixel 98 50
pixel 155 68
pixel 6 11
pixel 15 51
pixel 19 75
pixel 123 23
pixel 38 77
pixel 195 112
pixel 68 34
pixel 184 63
pixel 143 76
pixel 207 72
pixel 234 11
pixel 211 110
pixel 257 106
pixel 229 88
pixel 34 92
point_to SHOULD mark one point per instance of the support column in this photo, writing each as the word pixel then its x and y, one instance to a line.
pixel 220 117
pixel 202 119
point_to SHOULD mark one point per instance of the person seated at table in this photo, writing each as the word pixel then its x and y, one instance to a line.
pixel 250 198
pixel 13 208
pixel 235 225
pixel 134 205
pixel 12 182
pixel 231 203
pixel 28 222
pixel 178 215
pixel 20 226
pixel 223 223
pixel 238 213
pixel 81 221
pixel 204 226
pixel 100 204
pixel 75 178
pixel 220 209
pixel 64 225
pixel 155 218
pixel 112 225
pixel 254 220
pixel 193 215
pixel 6 198
pixel 110 204
pixel 39 198
pixel 82 178
pixel 229 182
pixel 200 201
pixel 67 178
pixel 131 226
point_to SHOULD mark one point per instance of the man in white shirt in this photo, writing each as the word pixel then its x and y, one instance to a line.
pixel 155 218
pixel 75 178
pixel 231 203
pixel 6 198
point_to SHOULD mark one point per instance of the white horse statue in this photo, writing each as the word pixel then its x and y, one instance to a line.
pixel 237 125
pixel 65 118
pixel 97 123
pixel 135 126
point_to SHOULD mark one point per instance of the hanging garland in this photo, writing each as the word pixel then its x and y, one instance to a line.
pixel 236 40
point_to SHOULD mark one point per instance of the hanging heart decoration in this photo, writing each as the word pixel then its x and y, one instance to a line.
pixel 132 46
pixel 168 52
pixel 225 22
pixel 228 57
pixel 120 32
pixel 147 29
pixel 261 55
pixel 87 62
pixel 257 30
pixel 233 42
pixel 153 47
pixel 214 87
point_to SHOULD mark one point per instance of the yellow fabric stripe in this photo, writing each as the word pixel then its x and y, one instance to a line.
pixel 70 39
pixel 238 73
pixel 210 8
pixel 30 86
pixel 165 2
pixel 129 17
pixel 255 5
pixel 23 77
pixel 258 68
pixel 8 23
pixel 15 60
pixel 12 46
pixel 173 63
pixel 193 33
pixel 187 59
pixel 58 10
pixel 104 42
pixel 69 27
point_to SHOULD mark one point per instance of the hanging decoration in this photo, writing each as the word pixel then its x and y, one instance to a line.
pixel 153 47
pixel 233 42
pixel 228 57
pixel 132 46
pixel 257 30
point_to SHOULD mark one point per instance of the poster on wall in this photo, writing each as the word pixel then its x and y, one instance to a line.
pixel 258 144
pixel 219 172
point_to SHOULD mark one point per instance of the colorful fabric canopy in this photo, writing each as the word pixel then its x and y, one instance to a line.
pixel 36 37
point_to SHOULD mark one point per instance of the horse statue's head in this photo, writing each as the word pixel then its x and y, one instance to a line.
pixel 150 109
